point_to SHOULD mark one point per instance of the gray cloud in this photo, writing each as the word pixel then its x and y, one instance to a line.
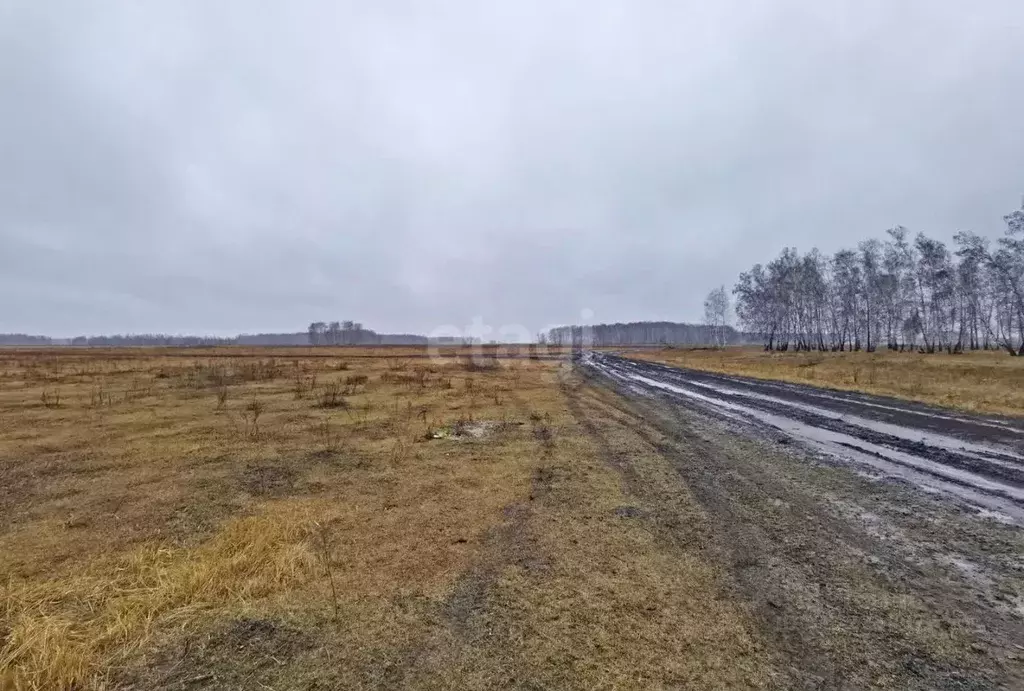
pixel 196 166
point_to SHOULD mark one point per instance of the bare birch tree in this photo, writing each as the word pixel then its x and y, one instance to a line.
pixel 716 314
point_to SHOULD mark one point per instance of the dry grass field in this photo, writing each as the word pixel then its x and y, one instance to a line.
pixel 979 382
pixel 337 518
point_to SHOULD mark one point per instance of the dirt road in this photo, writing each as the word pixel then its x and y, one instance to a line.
pixel 875 542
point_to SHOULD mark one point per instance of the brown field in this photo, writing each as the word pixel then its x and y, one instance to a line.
pixel 980 382
pixel 338 518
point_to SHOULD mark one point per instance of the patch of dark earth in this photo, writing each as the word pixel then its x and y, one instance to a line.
pixel 856 583
pixel 241 654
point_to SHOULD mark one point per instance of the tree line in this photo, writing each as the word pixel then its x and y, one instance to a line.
pixel 23 340
pixel 301 338
pixel 353 333
pixel 641 333
pixel 150 340
pixel 900 293
pixel 115 340
pixel 339 333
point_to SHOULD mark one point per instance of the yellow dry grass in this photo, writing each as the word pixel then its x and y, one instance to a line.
pixel 199 517
pixel 979 382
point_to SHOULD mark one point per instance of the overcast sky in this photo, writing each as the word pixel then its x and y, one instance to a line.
pixel 211 166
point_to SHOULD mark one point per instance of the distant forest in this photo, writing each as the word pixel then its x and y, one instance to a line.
pixel 353 333
pixel 642 333
pixel 897 294
pixel 153 340
pixel 301 338
pixel 23 340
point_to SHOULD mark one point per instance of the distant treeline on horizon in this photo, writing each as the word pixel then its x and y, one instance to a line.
pixel 633 333
pixel 266 339
pixel 643 333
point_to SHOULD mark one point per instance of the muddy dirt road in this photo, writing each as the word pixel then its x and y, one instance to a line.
pixel 877 543
pixel 978 461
